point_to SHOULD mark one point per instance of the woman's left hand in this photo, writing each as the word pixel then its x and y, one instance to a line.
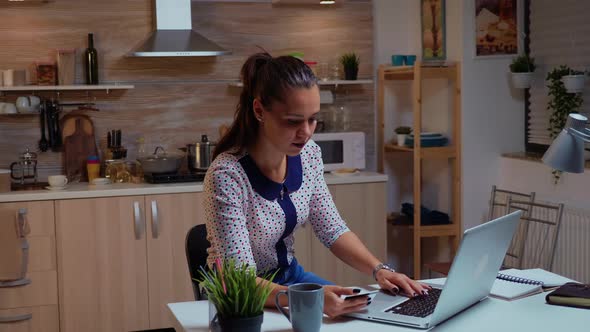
pixel 395 282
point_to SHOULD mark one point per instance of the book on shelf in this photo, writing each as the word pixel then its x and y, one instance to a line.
pixel 513 284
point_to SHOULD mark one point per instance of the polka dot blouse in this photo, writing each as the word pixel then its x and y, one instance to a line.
pixel 252 219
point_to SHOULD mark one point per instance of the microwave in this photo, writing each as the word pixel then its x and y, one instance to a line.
pixel 341 150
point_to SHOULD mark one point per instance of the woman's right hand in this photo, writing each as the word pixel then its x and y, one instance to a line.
pixel 335 306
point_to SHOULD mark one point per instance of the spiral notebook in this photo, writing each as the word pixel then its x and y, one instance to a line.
pixel 515 284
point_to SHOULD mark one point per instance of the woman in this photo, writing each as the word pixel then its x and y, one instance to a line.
pixel 267 179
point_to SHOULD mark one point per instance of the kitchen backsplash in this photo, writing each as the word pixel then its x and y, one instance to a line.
pixel 175 100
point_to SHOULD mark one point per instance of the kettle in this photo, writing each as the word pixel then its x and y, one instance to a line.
pixel 25 168
pixel 200 154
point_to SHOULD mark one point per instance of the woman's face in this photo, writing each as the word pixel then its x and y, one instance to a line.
pixel 289 125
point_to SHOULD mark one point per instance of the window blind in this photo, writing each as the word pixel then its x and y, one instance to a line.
pixel 559 35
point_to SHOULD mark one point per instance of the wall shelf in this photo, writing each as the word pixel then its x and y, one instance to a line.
pixel 106 87
pixel 320 82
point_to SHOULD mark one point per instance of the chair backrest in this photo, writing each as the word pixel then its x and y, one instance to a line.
pixel 499 198
pixel 534 242
pixel 196 255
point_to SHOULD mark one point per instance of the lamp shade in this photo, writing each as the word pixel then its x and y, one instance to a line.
pixel 566 153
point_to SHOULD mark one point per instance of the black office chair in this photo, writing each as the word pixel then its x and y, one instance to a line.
pixel 196 255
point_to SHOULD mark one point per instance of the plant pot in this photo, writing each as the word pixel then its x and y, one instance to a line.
pixel 350 73
pixel 242 324
pixel 574 83
pixel 522 80
pixel 401 139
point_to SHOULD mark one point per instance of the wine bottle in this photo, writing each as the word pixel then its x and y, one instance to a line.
pixel 91 61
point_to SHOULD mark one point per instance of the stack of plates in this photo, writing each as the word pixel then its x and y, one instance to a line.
pixel 428 140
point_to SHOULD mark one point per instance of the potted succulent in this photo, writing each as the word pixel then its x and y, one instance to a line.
pixel 574 81
pixel 522 68
pixel 402 132
pixel 236 295
pixel 350 63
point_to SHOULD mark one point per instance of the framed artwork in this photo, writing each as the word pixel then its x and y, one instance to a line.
pixel 432 14
pixel 496 28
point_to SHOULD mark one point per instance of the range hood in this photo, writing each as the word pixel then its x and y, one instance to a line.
pixel 174 35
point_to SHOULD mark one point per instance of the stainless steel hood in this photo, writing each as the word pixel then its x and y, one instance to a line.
pixel 174 35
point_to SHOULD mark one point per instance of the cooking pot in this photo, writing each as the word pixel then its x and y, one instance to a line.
pixel 160 163
pixel 200 153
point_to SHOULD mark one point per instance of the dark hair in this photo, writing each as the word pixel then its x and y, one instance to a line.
pixel 267 79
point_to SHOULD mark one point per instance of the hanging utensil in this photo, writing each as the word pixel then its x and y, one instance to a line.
pixel 58 141
pixel 43 143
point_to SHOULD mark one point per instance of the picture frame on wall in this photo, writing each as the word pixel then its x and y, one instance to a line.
pixel 432 14
pixel 496 28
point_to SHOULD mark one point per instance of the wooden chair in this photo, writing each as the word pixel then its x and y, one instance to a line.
pixel 497 207
pixel 534 243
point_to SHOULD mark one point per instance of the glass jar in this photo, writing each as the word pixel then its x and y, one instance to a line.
pixel 117 171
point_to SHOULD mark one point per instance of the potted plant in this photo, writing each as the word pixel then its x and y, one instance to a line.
pixel 574 81
pixel 350 63
pixel 401 132
pixel 560 104
pixel 238 298
pixel 522 68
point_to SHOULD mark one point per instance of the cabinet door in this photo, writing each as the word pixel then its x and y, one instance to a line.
pixel 362 206
pixel 169 218
pixel 102 264
pixel 303 238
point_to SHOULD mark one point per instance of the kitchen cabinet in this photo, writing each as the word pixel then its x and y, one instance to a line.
pixel 122 259
pixel 102 260
pixel 33 307
pixel 169 218
pixel 362 206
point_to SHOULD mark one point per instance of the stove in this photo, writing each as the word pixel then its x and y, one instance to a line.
pixel 174 177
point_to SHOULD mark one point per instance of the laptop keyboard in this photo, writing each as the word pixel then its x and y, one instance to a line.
pixel 420 306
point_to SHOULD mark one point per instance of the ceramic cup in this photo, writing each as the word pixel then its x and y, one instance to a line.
pixel 7 108
pixel 398 60
pixel 57 181
pixel 410 59
pixel 8 77
pixel 306 306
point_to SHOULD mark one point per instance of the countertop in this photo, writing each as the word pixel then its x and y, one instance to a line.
pixel 85 190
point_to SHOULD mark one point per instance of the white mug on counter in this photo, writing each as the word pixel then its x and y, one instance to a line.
pixel 57 181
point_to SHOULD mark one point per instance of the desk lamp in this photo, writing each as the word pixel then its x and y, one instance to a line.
pixel 566 153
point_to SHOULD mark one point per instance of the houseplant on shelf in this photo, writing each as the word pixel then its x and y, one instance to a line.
pixel 350 63
pixel 402 132
pixel 522 68
pixel 237 296
pixel 560 104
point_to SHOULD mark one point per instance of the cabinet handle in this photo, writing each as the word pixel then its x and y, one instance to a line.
pixel 16 318
pixel 137 219
pixel 155 221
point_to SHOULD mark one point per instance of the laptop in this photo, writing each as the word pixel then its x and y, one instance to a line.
pixel 470 280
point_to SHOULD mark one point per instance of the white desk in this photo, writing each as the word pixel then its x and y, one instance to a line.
pixel 528 314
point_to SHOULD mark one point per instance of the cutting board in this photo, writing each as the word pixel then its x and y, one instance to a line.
pixel 78 147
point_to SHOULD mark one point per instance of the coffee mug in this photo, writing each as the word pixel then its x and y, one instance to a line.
pixel 7 108
pixel 57 181
pixel 410 60
pixel 306 306
pixel 398 60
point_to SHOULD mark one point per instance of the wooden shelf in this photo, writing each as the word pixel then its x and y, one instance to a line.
pixel 418 74
pixel 433 230
pixel 320 82
pixel 407 72
pixel 443 152
pixel 106 87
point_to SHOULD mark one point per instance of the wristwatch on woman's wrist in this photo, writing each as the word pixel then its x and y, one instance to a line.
pixel 381 266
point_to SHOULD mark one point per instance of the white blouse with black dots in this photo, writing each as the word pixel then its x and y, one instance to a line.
pixel 247 213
